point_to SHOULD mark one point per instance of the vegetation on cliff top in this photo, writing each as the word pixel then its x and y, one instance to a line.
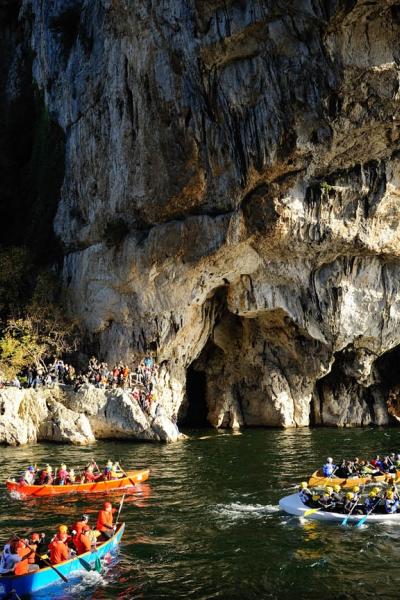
pixel 33 327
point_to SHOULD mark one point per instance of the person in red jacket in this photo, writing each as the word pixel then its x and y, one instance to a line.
pixel 22 567
pixel 89 476
pixel 105 520
pixel 58 547
pixel 79 525
pixel 83 542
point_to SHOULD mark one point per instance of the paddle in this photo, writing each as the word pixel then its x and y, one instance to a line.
pixel 362 521
pixel 344 522
pixel 84 564
pixel 120 508
pixel 94 463
pixel 126 475
pixel 46 562
pixel 310 511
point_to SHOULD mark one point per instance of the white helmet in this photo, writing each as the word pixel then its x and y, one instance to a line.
pixel 329 459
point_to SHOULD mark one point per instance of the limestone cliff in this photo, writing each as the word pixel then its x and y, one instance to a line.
pixel 230 196
pixel 61 415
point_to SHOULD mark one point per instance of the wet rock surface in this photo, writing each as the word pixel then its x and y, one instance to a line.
pixel 231 196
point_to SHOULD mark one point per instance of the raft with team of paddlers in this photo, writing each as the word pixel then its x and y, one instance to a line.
pixel 63 476
pixel 46 482
pixel 327 497
pixel 27 565
pixel 351 472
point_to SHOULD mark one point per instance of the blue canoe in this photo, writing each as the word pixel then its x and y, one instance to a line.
pixel 24 585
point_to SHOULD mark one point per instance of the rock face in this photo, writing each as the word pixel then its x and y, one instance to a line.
pixel 231 197
pixel 61 415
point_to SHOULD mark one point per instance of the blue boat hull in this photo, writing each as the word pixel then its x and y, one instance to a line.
pixel 32 582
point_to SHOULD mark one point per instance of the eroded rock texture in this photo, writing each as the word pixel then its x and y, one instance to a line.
pixel 62 415
pixel 231 196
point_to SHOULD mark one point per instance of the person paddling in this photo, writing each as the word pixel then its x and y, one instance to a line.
pixel 329 468
pixel 337 496
pixel 356 493
pixel 89 476
pixel 29 476
pixel 46 476
pixel 25 565
pixel 83 542
pixel 59 551
pixel 105 520
pixel 371 502
pixel 79 525
pixel 9 557
pixel 305 494
pixel 62 475
pixel 37 543
pixel 350 503
pixel 325 501
pixel 391 503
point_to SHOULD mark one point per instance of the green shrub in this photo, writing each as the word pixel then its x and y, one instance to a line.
pixel 326 187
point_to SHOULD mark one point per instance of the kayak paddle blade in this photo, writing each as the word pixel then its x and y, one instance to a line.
pixel 311 511
pixel 97 565
pixel 344 522
pixel 85 564
pixel 361 521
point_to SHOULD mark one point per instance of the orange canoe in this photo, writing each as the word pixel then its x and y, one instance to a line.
pixel 79 488
pixel 317 479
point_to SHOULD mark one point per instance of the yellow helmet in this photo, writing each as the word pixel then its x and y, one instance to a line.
pixel 49 469
pixel 329 490
pixel 372 494
pixel 389 495
pixel 64 467
pixel 356 488
pixel 316 497
pixel 375 489
pixel 303 485
pixel 349 496
pixel 337 488
pixel 62 529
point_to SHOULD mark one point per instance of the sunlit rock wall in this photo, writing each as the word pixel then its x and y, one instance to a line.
pixel 231 195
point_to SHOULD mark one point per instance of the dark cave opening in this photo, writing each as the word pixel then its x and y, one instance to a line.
pixel 388 367
pixel 196 409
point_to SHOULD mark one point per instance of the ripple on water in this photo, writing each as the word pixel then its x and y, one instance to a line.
pixel 208 525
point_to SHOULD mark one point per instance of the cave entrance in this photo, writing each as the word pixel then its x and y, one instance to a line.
pixel 388 368
pixel 196 399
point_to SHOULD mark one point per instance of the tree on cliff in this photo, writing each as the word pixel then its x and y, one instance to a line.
pixel 33 327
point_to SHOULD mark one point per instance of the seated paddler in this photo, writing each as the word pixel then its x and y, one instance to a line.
pixel 305 494
pixel 329 468
pixel 391 503
pixel 371 502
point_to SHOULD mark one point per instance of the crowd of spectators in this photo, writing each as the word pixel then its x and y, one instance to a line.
pixel 140 380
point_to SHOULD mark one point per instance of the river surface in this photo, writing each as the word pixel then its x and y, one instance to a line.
pixel 207 524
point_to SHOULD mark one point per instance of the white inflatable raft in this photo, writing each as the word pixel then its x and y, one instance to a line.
pixel 294 506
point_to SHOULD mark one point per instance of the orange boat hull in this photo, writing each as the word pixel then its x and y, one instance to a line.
pixel 318 480
pixel 80 488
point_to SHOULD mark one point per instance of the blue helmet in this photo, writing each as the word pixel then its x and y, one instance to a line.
pixel 31 468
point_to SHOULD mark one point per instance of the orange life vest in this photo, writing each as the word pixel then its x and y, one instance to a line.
pixel 58 552
pixel 82 543
pixel 104 521
pixel 21 568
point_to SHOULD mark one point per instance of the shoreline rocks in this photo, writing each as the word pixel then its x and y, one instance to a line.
pixel 61 415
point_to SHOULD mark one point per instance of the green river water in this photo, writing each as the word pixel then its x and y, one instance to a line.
pixel 207 524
